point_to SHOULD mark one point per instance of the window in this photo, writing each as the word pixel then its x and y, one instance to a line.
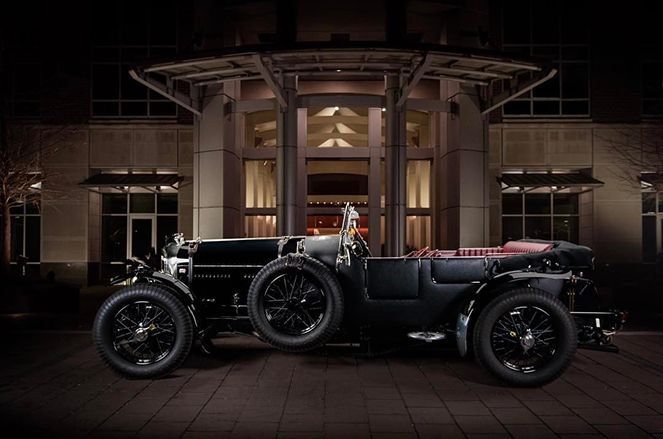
pixel 542 215
pixel 417 232
pixel 556 31
pixel 25 232
pixel 260 180
pixel 157 211
pixel 418 129
pixel 652 221
pixel 418 184
pixel 126 33
pixel 256 226
pixel 260 198
pixel 260 129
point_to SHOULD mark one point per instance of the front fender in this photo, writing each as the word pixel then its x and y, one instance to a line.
pixel 172 285
pixel 550 282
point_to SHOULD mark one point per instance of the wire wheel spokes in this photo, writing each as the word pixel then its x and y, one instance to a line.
pixel 143 332
pixel 524 338
pixel 294 304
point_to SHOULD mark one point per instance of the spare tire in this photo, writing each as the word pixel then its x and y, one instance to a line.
pixel 295 303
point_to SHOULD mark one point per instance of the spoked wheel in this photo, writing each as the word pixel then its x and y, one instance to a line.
pixel 295 303
pixel 143 331
pixel 525 337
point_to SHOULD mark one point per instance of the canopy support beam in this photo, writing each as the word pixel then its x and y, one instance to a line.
pixel 414 79
pixel 271 81
pixel 169 92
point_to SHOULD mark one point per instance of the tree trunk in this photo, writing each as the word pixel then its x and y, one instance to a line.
pixel 7 239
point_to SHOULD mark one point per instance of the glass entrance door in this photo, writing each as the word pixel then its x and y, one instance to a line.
pixel 141 237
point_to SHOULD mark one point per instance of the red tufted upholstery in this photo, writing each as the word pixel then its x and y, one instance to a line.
pixel 526 247
pixel 511 248
pixel 477 251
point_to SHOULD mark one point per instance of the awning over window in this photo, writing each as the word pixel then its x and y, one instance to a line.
pixel 149 181
pixel 566 180
pixel 652 178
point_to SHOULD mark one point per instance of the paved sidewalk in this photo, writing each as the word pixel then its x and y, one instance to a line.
pixel 54 384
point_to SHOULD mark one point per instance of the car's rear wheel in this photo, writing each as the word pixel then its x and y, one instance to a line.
pixel 143 331
pixel 295 303
pixel 525 337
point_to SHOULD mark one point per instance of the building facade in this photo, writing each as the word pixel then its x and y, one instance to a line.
pixel 220 155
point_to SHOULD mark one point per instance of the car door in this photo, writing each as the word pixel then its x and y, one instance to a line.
pixel 392 278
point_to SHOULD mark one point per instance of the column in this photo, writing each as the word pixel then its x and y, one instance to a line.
pixel 395 169
pixel 286 160
pixel 216 167
pixel 374 180
pixel 462 171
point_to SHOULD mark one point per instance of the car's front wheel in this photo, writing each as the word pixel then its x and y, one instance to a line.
pixel 143 331
pixel 525 337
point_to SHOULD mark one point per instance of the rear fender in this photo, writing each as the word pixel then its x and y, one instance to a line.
pixel 552 283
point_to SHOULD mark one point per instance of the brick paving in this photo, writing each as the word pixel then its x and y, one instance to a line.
pixel 53 384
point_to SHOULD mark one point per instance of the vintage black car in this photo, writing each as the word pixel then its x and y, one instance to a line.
pixel 522 309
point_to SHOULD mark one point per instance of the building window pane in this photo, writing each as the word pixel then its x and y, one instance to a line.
pixel 17 226
pixel 512 228
pixel 167 203
pixel 166 226
pixel 114 203
pixel 418 183
pixel 418 232
pixel 512 204
pixel 337 127
pixel 141 203
pixel 114 238
pixel 537 227
pixel 260 129
pixel 649 202
pixel 260 183
pixel 260 225
pixel 33 238
pixel 565 203
pixel 649 251
pixel 565 228
pixel 537 203
pixel 418 129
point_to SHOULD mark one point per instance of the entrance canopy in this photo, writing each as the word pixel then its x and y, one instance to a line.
pixel 412 64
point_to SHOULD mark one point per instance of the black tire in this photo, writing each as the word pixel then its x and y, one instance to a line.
pixel 329 295
pixel 499 344
pixel 165 316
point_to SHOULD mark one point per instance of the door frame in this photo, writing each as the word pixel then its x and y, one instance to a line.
pixel 130 218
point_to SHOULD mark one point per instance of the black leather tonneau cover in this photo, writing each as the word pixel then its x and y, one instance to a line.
pixel 563 256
